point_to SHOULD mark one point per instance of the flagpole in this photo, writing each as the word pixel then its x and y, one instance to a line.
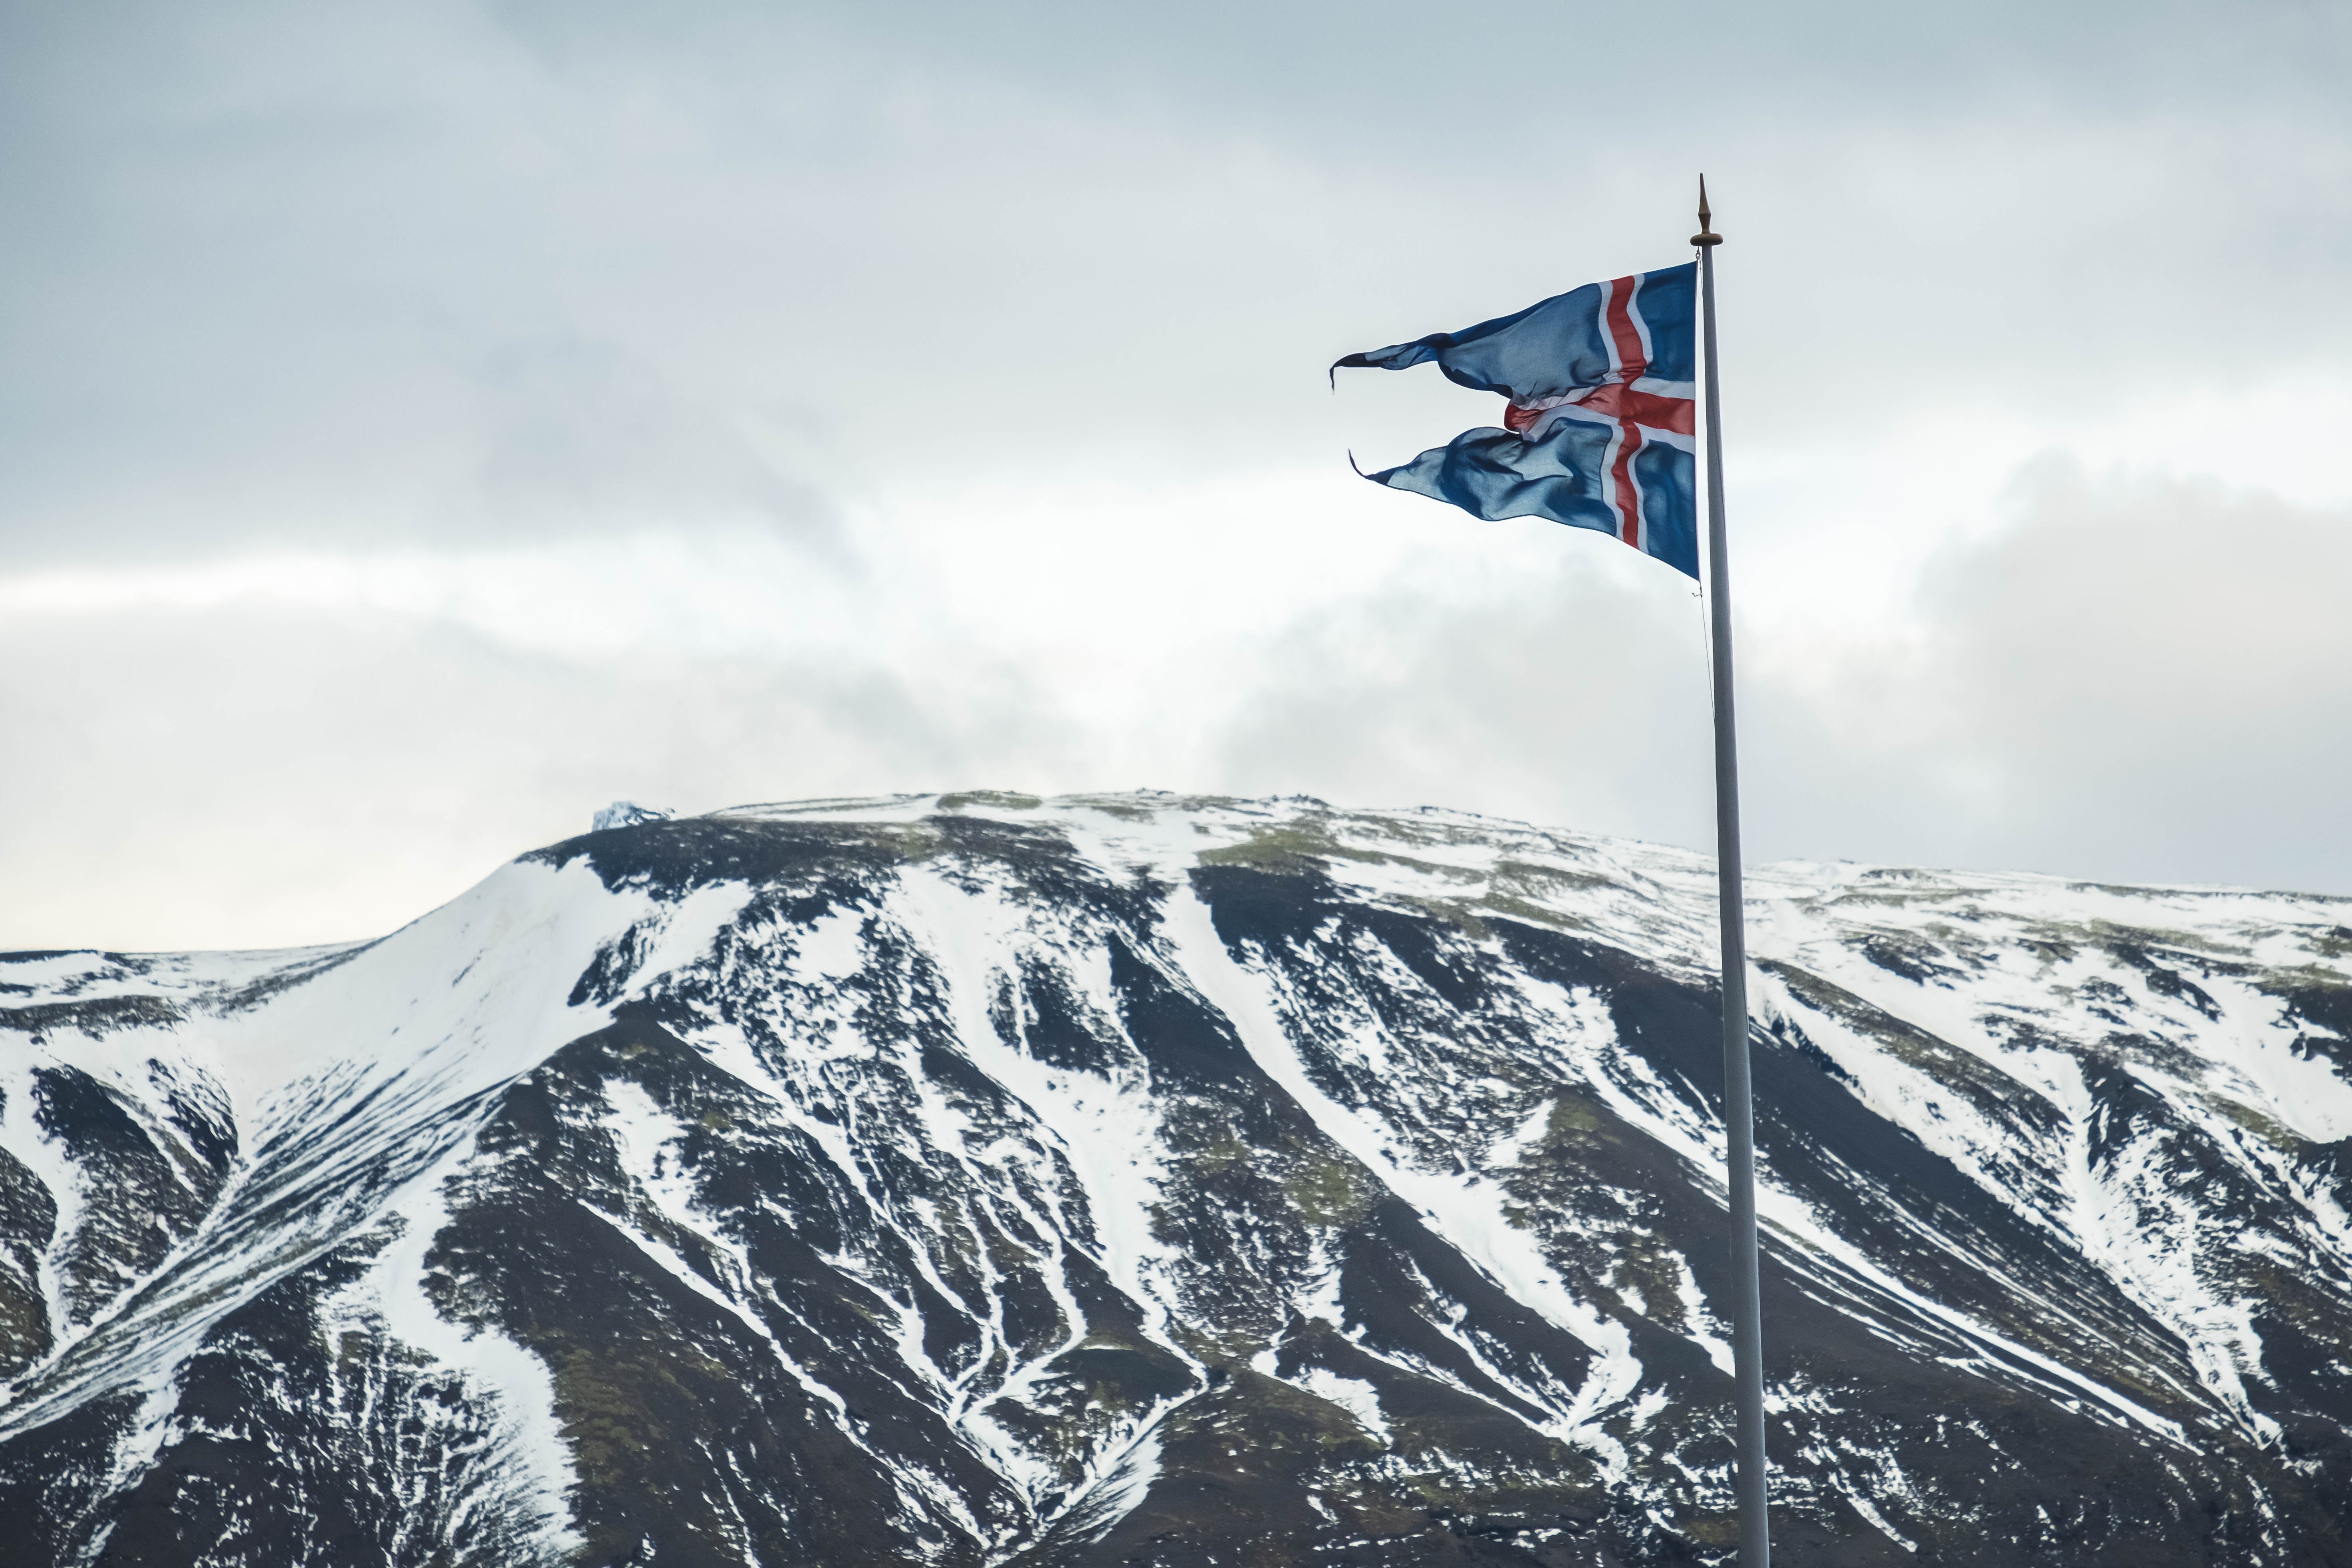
pixel 1738 1100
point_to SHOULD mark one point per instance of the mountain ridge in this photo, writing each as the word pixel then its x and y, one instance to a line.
pixel 983 1179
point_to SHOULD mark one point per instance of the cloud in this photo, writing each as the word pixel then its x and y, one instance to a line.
pixel 2137 678
pixel 1575 695
pixel 576 435
pixel 448 417
pixel 284 774
pixel 2132 679
pixel 323 276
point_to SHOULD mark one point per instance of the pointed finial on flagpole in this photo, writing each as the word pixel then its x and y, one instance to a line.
pixel 1705 236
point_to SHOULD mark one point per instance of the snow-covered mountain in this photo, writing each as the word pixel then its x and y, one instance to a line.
pixel 977 1180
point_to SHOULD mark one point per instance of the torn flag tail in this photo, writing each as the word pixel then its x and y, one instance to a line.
pixel 1599 425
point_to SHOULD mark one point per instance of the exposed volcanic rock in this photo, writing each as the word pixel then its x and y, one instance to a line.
pixel 976 1180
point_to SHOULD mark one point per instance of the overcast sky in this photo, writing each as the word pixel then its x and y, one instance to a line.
pixel 423 424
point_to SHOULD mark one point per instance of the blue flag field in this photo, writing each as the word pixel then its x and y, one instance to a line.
pixel 1600 422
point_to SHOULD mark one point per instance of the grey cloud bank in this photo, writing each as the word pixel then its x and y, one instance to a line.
pixel 2129 681
pixel 1004 327
pixel 289 772
pixel 323 274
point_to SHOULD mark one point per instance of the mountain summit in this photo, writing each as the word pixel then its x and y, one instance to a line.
pixel 979 1179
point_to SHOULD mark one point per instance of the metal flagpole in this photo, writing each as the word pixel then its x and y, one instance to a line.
pixel 1738 1100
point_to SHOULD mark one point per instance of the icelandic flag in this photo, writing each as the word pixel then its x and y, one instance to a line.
pixel 1599 427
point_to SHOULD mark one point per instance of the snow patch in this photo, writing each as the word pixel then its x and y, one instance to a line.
pixel 1352 1395
pixel 532 1462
